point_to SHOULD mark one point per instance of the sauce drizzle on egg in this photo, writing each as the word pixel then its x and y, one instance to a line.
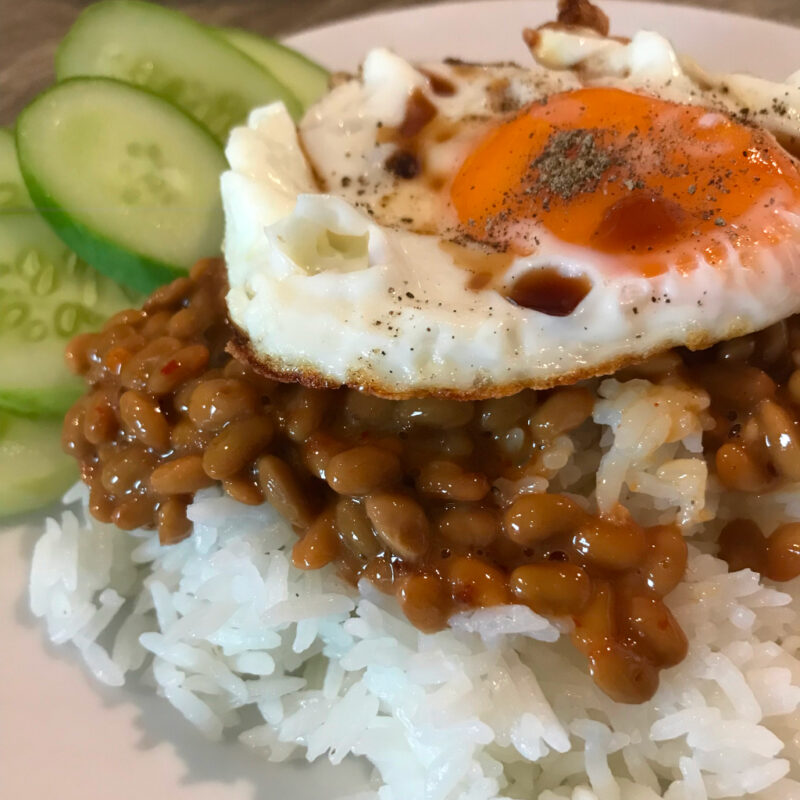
pixel 549 291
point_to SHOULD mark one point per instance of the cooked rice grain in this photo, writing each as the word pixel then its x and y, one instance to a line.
pixel 498 706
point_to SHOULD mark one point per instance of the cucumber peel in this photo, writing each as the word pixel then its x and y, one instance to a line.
pixel 307 80
pixel 13 194
pixel 47 296
pixel 33 468
pixel 129 181
pixel 172 55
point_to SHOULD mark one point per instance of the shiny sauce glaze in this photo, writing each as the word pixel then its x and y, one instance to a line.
pixel 549 291
pixel 754 444
pixel 434 501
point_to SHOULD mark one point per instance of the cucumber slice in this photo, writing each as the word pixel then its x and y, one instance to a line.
pixel 47 295
pixel 305 79
pixel 173 56
pixel 33 470
pixel 127 180
pixel 13 194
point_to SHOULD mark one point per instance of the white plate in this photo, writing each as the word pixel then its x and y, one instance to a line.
pixel 62 735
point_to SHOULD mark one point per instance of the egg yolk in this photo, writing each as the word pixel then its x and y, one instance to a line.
pixel 651 182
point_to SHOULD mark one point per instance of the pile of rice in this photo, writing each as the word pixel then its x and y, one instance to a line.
pixel 500 705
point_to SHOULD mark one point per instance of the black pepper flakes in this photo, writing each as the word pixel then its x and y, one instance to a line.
pixel 403 164
pixel 571 163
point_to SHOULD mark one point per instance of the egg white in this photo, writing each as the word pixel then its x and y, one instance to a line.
pixel 340 286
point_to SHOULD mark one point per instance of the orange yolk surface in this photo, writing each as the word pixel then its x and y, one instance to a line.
pixel 652 182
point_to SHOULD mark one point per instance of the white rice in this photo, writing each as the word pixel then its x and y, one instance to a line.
pixel 499 705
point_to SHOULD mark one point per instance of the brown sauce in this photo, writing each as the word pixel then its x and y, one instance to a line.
pixel 500 96
pixel 439 84
pixel 422 497
pixel 403 164
pixel 419 112
pixel 485 266
pixel 645 218
pixel 549 291
pixel 479 280
pixel 582 14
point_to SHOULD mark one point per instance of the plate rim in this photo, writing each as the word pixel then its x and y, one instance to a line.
pixel 678 6
pixel 63 656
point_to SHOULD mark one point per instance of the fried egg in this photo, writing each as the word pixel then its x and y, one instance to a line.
pixel 469 230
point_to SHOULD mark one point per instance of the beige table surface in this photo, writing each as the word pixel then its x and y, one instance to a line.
pixel 29 29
